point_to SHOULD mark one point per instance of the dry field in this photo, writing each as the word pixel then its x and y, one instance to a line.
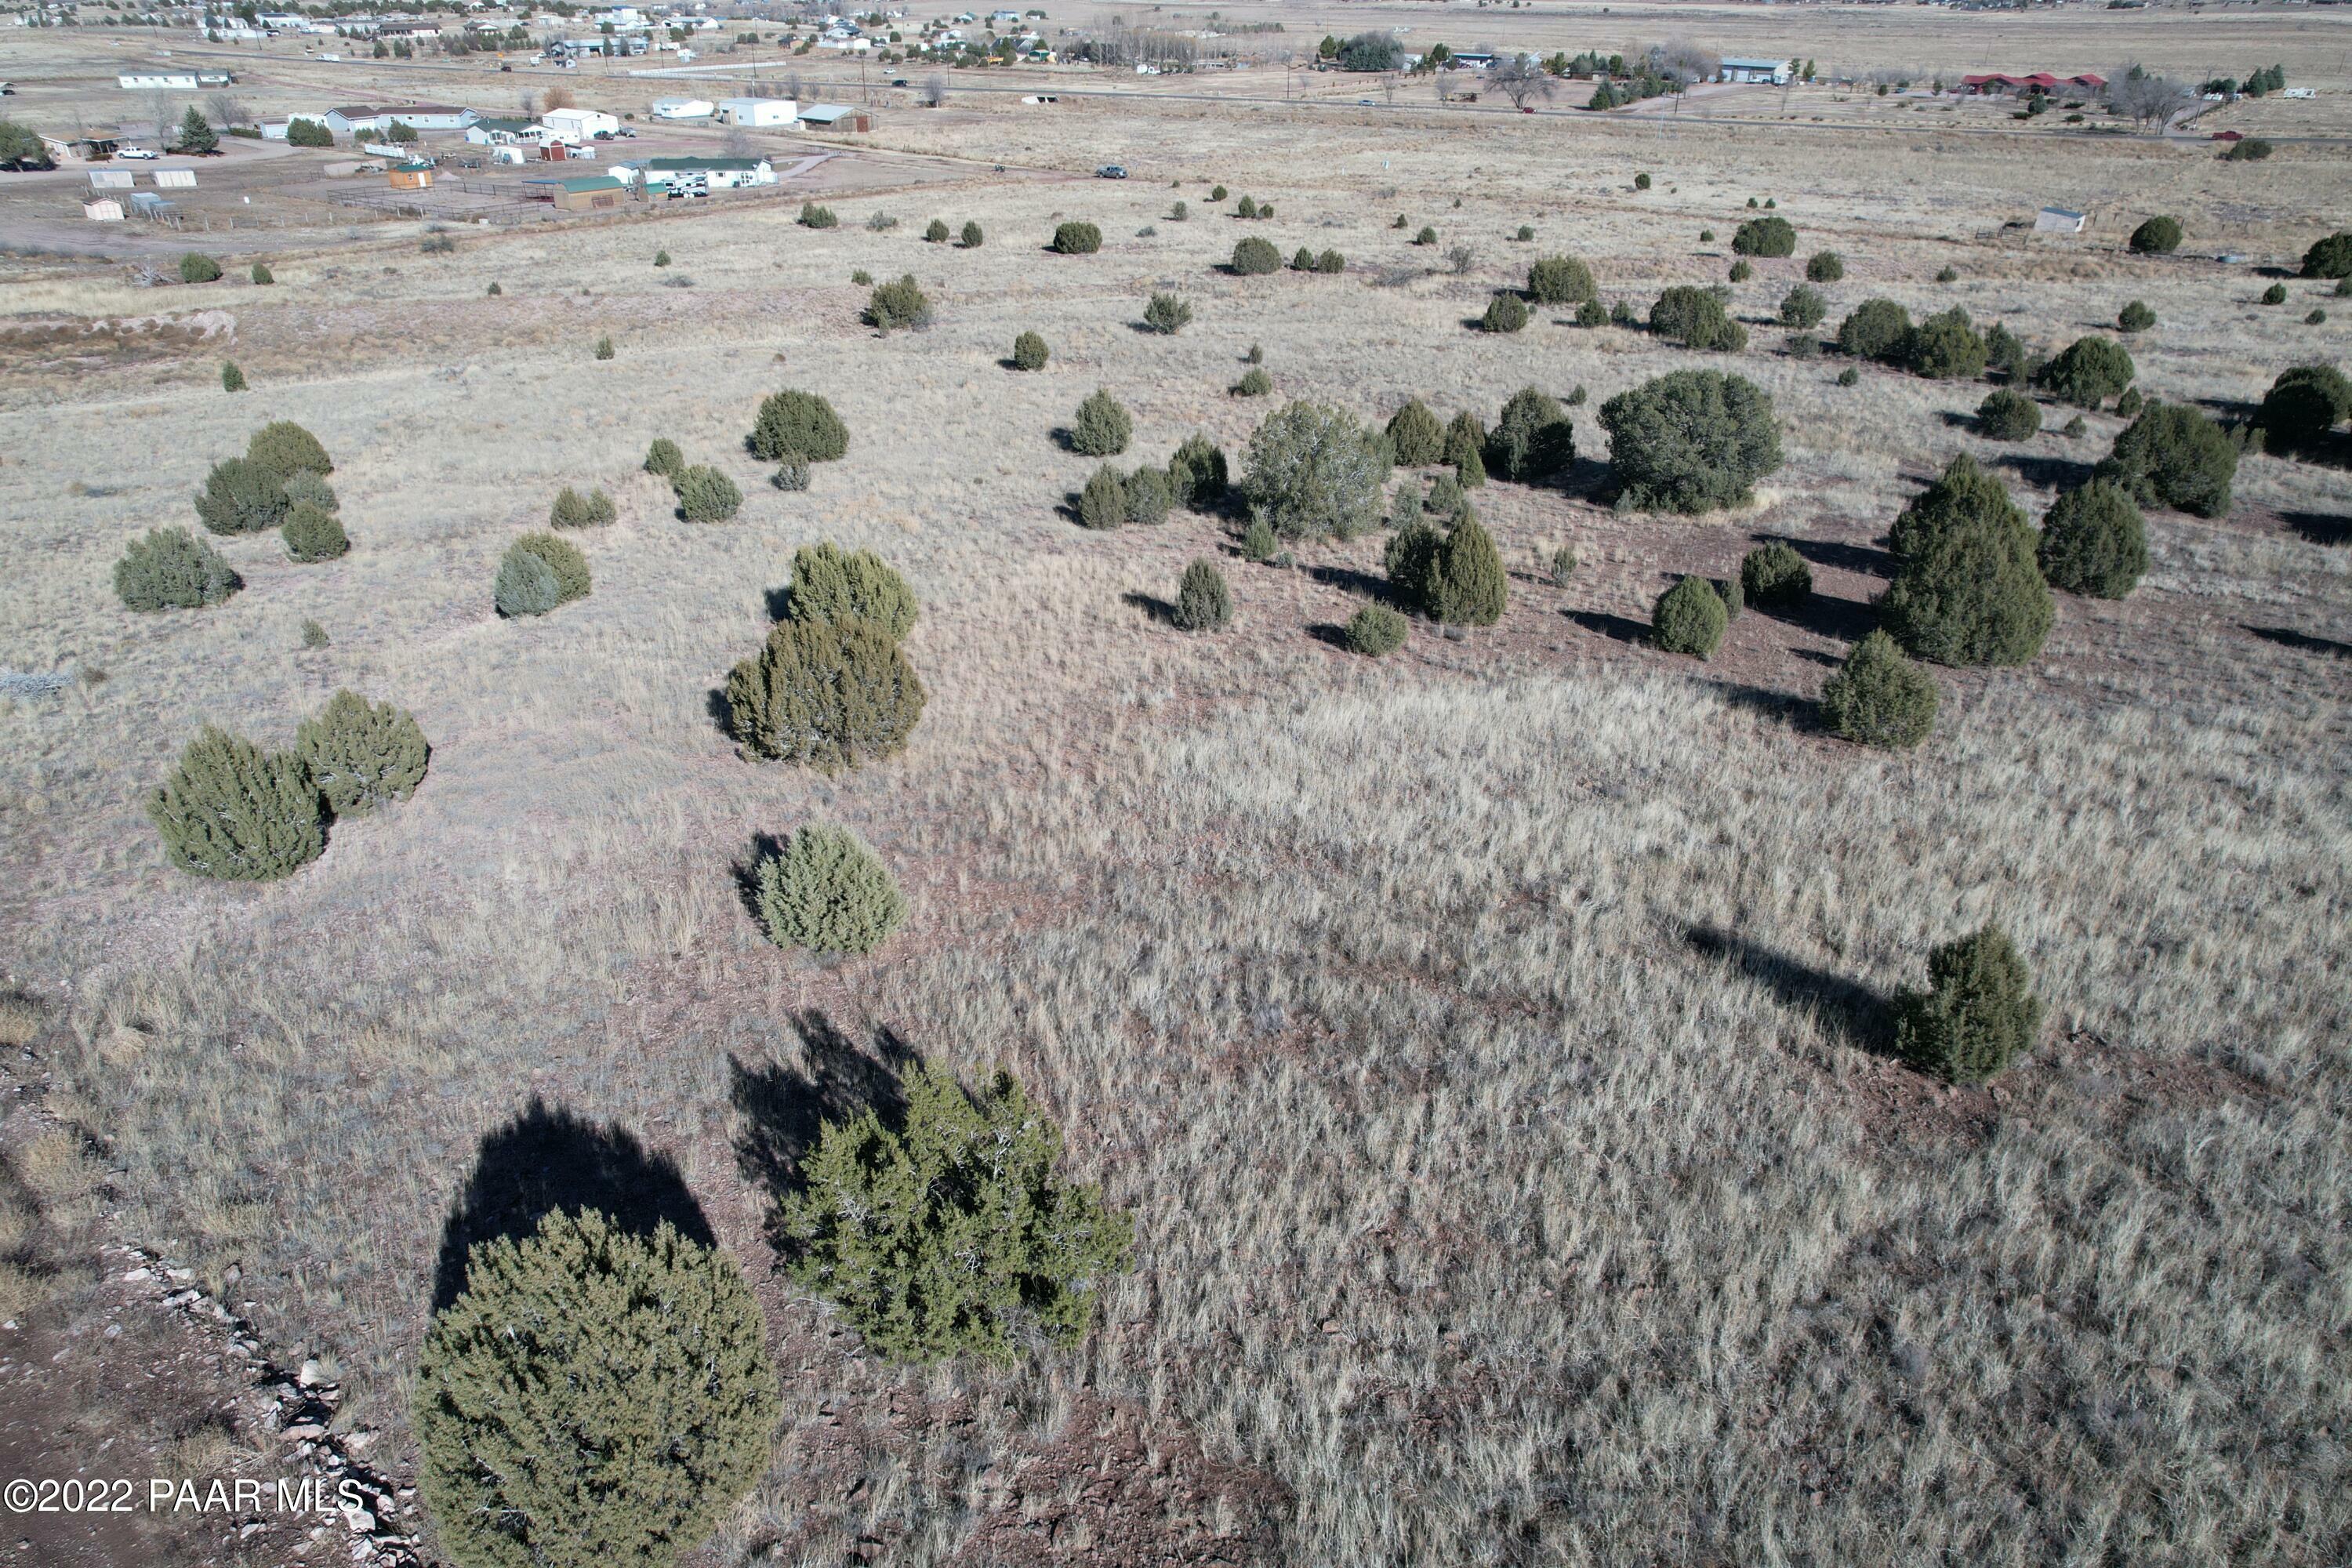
pixel 1485 1039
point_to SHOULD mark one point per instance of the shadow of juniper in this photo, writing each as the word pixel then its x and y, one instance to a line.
pixel 783 1108
pixel 1852 1012
pixel 548 1158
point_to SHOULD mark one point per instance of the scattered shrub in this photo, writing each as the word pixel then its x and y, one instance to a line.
pixel 1376 631
pixel 2088 372
pixel 2074 428
pixel 1077 238
pixel 1765 236
pixel 2329 258
pixel 1560 280
pixel 2134 317
pixel 902 303
pixel 2274 295
pixel 1427 235
pixel 286 450
pixel 314 636
pixel 1774 575
pixel 952 1233
pixel 1947 275
pixel 1415 436
pixel 1623 314
pixel 593 1396
pixel 1465 446
pixel 1505 312
pixel 234 812
pixel 1734 597
pixel 1526 232
pixel 1246 208
pixel 594 510
pixel 262 274
pixel 1101 427
pixel 1256 355
pixel 2129 404
pixel 1824 266
pixel 971 238
pixel 1103 502
pixel 862 278
pixel 362 754
pixel 661 259
pixel 664 457
pixel 1167 314
pixel 936 232
pixel 172 569
pixel 2173 455
pixel 1303 260
pixel 1875 329
pixel 2006 416
pixel 1689 617
pixel 1217 194
pixel 1562 566
pixel 538 573
pixel 2005 352
pixel 1977 1016
pixel 1470 587
pixel 1179 213
pixel 232 378
pixel 1696 319
pixel 1258 543
pixel 1641 182
pixel 1412 558
pixel 1691 441
pixel 1029 352
pixel 791 476
pixel 826 890
pixel 1202 602
pixel 1880 698
pixel 830 583
pixel 1533 439
pixel 831 694
pixel 2304 404
pixel 1848 377
pixel 1255 257
pixel 603 348
pixel 1196 473
pixel 197 267
pixel 1966 587
pixel 241 496
pixel 2157 237
pixel 2094 542
pixel 2317 318
pixel 1148 498
pixel 1741 272
pixel 2253 150
pixel 816 216
pixel 1945 347
pixel 1312 471
pixel 1331 262
pixel 798 425
pixel 312 533
pixel 705 495
pixel 1591 314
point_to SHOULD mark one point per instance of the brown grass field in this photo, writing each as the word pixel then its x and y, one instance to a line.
pixel 1487 1040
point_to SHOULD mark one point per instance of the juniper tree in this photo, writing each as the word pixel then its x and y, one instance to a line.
pixel 1312 471
pixel 1415 436
pixel 362 754
pixel 1691 441
pixel 1203 603
pixel 2173 455
pixel 798 426
pixel 1559 280
pixel 830 583
pixel 1470 587
pixel 1966 587
pixel 1101 427
pixel 1879 698
pixel 951 1232
pixel 592 1397
pixel 1773 575
pixel 241 496
pixel 831 694
pixel 285 448
pixel 1196 473
pixel 172 569
pixel 1689 617
pixel 1978 1015
pixel 312 533
pixel 827 891
pixel 237 813
pixel 1533 439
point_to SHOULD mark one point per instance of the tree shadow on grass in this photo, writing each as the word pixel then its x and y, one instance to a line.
pixel 2318 528
pixel 721 711
pixel 2045 472
pixel 1824 615
pixel 2301 642
pixel 765 847
pixel 1795 711
pixel 1616 628
pixel 1332 634
pixel 546 1158
pixel 1868 560
pixel 1852 1012
pixel 784 1109
pixel 1161 611
pixel 1349 580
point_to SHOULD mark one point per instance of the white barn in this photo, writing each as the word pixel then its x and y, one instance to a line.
pixel 683 109
pixel 758 110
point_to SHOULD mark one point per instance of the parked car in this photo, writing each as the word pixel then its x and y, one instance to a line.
pixel 136 153
pixel 1110 172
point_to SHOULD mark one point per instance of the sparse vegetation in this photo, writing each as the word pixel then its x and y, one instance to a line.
pixel 172 569
pixel 898 304
pixel 814 216
pixel 1880 698
pixel 1101 427
pixel 1203 603
pixel 596 509
pixel 2173 455
pixel 1253 383
pixel 829 694
pixel 1967 589
pixel 1689 617
pixel 1167 314
pixel 1077 239
pixel 1978 1015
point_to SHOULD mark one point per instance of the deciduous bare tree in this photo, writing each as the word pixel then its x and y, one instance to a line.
pixel 1520 78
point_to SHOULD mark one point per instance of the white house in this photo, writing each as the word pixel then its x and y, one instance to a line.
pixel 720 174
pixel 158 81
pixel 1776 72
pixel 683 109
pixel 758 110
pixel 495 131
pixel 580 125
pixel 351 119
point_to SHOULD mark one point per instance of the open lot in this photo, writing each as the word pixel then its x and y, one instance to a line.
pixel 1487 1040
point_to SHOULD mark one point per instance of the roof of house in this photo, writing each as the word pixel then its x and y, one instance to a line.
pixel 414 167
pixel 578 184
pixel 503 123
pixel 688 166
pixel 821 112
pixel 2060 212
pixel 365 110
pixel 1729 64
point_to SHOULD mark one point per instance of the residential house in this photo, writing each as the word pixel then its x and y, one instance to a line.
pixel 2000 84
pixel 683 109
pixel 503 131
pixel 1776 72
pixel 576 125
pixel 769 111
pixel 718 173
pixel 579 193
pixel 158 81
pixel 353 119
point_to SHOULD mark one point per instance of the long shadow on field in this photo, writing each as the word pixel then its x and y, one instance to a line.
pixel 784 1108
pixel 1827 616
pixel 1616 628
pixel 2046 472
pixel 2319 526
pixel 546 1158
pixel 1151 604
pixel 2301 642
pixel 1350 580
pixel 1868 560
pixel 1854 1014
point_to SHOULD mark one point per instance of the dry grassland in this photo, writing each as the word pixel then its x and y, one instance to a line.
pixel 1483 1039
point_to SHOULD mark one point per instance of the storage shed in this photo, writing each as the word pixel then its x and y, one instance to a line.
pixel 414 176
pixel 758 110
pixel 2061 220
pixel 584 193
pixel 836 117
